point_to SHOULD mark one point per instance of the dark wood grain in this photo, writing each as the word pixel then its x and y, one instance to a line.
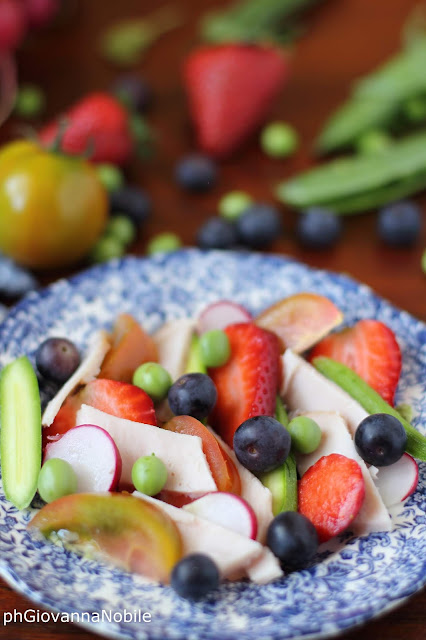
pixel 344 39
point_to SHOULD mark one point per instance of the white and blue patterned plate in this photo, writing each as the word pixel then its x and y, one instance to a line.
pixel 363 578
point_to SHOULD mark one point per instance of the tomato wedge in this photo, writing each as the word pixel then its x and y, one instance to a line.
pixel 223 469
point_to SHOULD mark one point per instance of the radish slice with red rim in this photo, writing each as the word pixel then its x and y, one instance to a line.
pixel 397 481
pixel 221 314
pixel 93 455
pixel 228 510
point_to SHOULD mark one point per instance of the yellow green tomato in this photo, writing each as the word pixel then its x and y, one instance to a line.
pixel 53 207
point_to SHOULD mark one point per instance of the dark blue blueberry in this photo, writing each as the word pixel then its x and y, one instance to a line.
pixel 399 224
pixel 318 228
pixel 132 202
pixel 57 359
pixel 195 576
pixel 293 539
pixel 258 226
pixel 15 281
pixel 217 233
pixel 193 394
pixel 196 173
pixel 133 91
pixel 261 444
pixel 48 390
pixel 380 439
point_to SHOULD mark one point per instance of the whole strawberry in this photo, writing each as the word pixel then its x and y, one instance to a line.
pixel 97 124
pixel 230 90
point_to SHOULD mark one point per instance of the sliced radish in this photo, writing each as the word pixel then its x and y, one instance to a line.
pixel 93 455
pixel 228 510
pixel 397 481
pixel 221 314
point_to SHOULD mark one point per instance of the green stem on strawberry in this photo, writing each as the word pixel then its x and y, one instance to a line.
pixel 372 402
pixel 253 21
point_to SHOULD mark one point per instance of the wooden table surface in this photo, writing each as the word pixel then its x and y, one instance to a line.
pixel 345 38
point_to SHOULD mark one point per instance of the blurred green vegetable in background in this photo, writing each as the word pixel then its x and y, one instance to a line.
pixel 393 98
pixel 254 21
pixel 361 182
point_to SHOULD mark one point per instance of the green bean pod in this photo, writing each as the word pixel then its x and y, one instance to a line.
pixel 361 182
pixel 377 99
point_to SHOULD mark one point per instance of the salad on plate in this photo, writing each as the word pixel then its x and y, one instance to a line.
pixel 219 447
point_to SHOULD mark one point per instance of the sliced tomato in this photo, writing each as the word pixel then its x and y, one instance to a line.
pixel 131 347
pixel 223 469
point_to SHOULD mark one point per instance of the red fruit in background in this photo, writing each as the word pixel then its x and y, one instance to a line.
pixel 41 12
pixel 331 494
pixel 97 121
pixel 247 384
pixel 116 398
pixel 13 24
pixel 371 350
pixel 230 90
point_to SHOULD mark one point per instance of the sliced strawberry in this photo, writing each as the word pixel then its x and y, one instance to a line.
pixel 230 90
pixel 247 384
pixel 331 494
pixel 116 398
pixel 369 348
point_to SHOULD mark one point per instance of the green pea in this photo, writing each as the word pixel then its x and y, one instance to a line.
pixel 164 243
pixel 305 434
pixel 152 378
pixel 279 140
pixel 30 101
pixel 215 349
pixel 424 262
pixel 110 176
pixel 122 229
pixel 373 141
pixel 106 249
pixel 149 475
pixel 232 204
pixel 56 479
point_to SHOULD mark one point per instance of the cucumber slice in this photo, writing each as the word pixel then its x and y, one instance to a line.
pixel 282 483
pixel 195 362
pixel 281 413
pixel 20 435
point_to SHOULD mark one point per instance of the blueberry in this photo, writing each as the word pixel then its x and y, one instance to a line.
pixel 380 439
pixel 48 390
pixel 399 224
pixel 217 233
pixel 133 91
pixel 293 539
pixel 57 359
pixel 131 201
pixel 259 226
pixel 193 394
pixel 196 173
pixel 195 576
pixel 15 281
pixel 261 444
pixel 318 228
